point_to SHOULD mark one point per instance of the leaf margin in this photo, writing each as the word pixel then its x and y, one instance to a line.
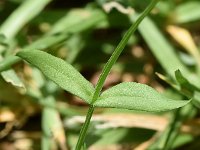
pixel 109 101
pixel 34 56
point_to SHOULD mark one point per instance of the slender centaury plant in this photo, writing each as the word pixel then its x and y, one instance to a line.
pixel 128 95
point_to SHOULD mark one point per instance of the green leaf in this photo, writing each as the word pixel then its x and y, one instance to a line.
pixel 49 115
pixel 168 81
pixel 188 89
pixel 188 12
pixel 120 47
pixel 184 83
pixel 136 96
pixel 21 16
pixel 196 99
pixel 11 77
pixel 167 138
pixel 74 21
pixel 59 71
pixel 151 33
pixel 3 40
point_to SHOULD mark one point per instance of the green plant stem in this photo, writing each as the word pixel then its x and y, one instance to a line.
pixel 173 130
pixel 119 49
pixel 107 68
pixel 84 128
pixel 180 116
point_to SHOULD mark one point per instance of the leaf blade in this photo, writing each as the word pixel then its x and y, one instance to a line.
pixel 187 12
pixel 136 96
pixel 11 77
pixel 59 71
pixel 151 33
pixel 184 83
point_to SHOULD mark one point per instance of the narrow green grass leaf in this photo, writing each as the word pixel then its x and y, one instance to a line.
pixel 188 89
pixel 160 47
pixel 13 24
pixel 184 83
pixel 78 20
pixel 52 132
pixel 163 50
pixel 168 137
pixel 8 60
pixel 188 12
pixel 196 99
pixel 61 31
pixel 136 96
pixel 168 81
pixel 184 87
pixel 22 15
pixel 3 41
pixel 59 71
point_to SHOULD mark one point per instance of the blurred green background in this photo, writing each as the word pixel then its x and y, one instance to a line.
pixel 35 113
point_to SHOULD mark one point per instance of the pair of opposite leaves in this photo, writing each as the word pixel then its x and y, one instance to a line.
pixel 127 95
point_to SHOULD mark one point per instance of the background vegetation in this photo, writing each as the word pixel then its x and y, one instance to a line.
pixel 164 53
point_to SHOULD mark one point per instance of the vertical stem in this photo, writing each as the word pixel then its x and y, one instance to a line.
pixel 107 68
pixel 172 133
pixel 119 49
pixel 84 128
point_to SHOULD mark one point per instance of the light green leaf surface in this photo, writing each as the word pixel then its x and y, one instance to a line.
pixel 22 15
pixel 11 77
pixel 196 99
pixel 61 31
pixel 78 20
pixel 13 24
pixel 3 41
pixel 188 12
pixel 163 51
pixel 188 89
pixel 136 96
pixel 52 132
pixel 59 71
pixel 184 83
pixel 160 47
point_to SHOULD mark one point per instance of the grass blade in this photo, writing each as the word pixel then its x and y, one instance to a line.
pixel 22 15
pixel 163 51
pixel 188 12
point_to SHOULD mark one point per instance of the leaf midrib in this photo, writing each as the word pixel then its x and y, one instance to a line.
pixel 77 82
